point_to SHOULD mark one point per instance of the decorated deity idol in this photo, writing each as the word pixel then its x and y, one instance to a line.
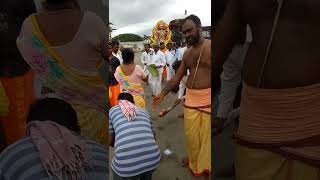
pixel 161 33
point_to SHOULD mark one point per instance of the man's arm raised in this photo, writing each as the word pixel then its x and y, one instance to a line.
pixel 174 82
pixel 227 33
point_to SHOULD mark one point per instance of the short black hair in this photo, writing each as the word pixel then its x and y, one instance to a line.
pixel 126 96
pixel 114 42
pixel 193 18
pixel 147 45
pixel 161 43
pixel 127 55
pixel 55 110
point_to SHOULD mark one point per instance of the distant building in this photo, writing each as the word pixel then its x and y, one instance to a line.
pixel 146 39
pixel 206 32
pixel 136 46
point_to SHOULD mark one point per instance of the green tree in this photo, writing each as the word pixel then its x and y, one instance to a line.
pixel 128 38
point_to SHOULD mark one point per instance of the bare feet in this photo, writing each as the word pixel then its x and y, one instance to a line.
pixel 185 162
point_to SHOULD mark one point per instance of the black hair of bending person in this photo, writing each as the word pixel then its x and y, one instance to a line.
pixel 127 55
pixel 126 96
pixel 55 110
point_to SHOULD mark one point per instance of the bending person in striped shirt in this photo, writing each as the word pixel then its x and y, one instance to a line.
pixel 53 148
pixel 131 133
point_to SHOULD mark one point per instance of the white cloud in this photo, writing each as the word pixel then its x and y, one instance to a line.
pixel 139 17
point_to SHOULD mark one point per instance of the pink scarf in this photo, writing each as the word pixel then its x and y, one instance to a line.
pixel 128 109
pixel 62 153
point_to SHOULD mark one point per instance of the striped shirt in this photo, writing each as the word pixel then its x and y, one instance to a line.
pixel 136 151
pixel 21 161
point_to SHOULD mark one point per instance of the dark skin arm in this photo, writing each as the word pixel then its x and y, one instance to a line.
pixel 145 79
pixel 174 82
pixel 225 37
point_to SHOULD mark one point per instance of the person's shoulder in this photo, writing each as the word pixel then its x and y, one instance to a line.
pixel 94 20
pixel 91 14
pixel 16 148
pixel 94 146
pixel 208 45
pixel 143 111
pixel 187 51
pixel 114 109
pixel 138 67
pixel 118 68
pixel 27 21
pixel 208 42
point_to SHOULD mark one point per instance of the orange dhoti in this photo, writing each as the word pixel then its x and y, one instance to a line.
pixel 115 91
pixel 20 93
pixel 197 126
pixel 164 73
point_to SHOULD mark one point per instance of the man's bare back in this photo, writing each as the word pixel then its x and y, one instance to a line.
pixel 203 77
pixel 294 54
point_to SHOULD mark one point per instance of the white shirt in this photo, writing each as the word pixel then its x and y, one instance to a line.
pixel 181 52
pixel 170 57
pixel 118 55
pixel 158 59
pixel 146 57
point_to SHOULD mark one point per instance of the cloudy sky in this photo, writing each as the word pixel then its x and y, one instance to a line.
pixel 139 16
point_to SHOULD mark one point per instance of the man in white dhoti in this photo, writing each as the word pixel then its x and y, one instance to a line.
pixel 158 59
pixel 183 82
pixel 170 59
pixel 146 57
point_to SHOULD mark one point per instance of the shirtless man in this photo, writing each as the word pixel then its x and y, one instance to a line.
pixel 197 110
pixel 281 87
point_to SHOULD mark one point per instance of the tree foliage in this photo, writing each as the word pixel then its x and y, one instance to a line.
pixel 128 38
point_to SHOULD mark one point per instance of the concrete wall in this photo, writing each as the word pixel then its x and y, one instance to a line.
pixel 136 46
